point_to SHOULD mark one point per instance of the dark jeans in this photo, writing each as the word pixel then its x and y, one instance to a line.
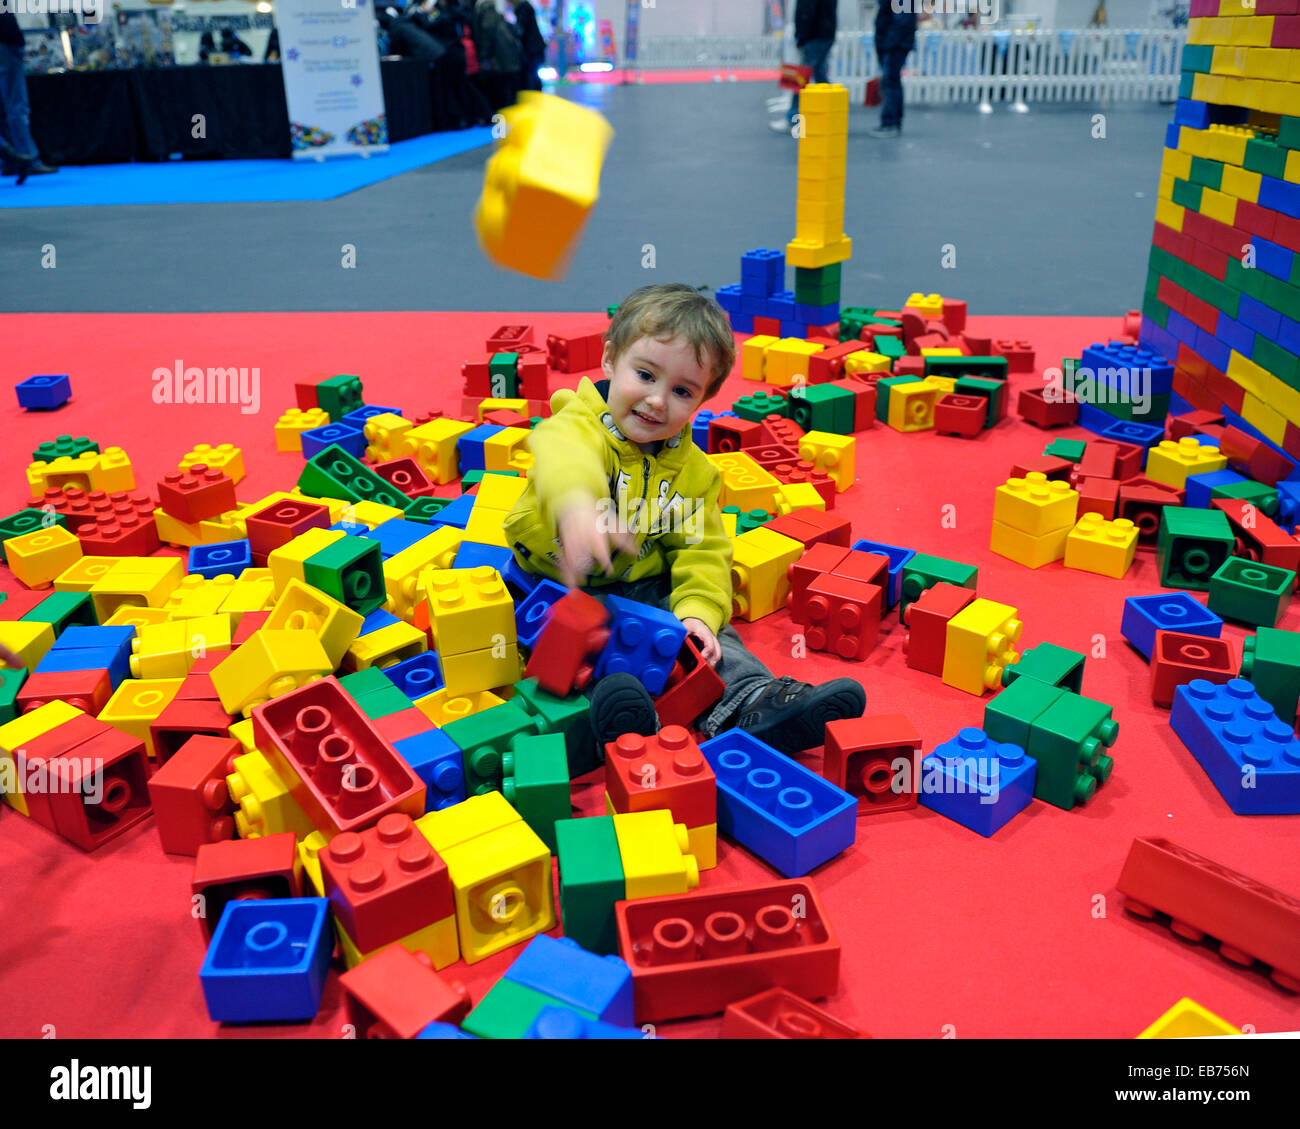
pixel 891 87
pixel 529 79
pixel 740 671
pixel 815 52
pixel 15 120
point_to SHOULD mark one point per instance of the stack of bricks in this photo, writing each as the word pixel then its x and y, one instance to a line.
pixel 1032 518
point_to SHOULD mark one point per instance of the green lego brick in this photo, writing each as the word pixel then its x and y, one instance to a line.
pixel 1156 310
pixel 63 610
pixel 993 390
pixel 366 681
pixel 1186 82
pixel 817 286
pixel 1288 133
pixel 474 477
pixel 503 375
pixel 1272 357
pixel 1265 156
pixel 535 779
pixel 382 702
pixel 1068 740
pixel 924 571
pixel 1207 173
pixel 591 881
pixel 1271 660
pixel 1285 298
pixel 611 310
pixel 1153 282
pixel 1049 664
pixel 570 716
pixel 1154 411
pixel 425 509
pixel 1263 498
pixel 1071 449
pixel 508 1010
pixel 11 681
pixel 483 737
pixel 883 385
pixel 351 570
pixel 751 519
pixel 990 368
pixel 758 406
pixel 1198 58
pixel 339 395
pixel 1250 592
pixel 822 407
pixel 853 319
pixel 1187 194
pixel 333 473
pixel 890 347
pixel 63 445
pixel 1009 716
pixel 533 421
pixel 1191 544
pixel 27 521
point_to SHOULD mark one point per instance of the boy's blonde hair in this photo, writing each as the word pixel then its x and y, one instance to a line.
pixel 673 309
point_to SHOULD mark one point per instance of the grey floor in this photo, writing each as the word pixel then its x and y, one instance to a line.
pixel 1041 216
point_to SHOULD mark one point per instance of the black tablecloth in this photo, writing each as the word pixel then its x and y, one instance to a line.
pixel 106 117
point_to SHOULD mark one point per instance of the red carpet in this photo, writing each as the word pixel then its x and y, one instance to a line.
pixel 943 932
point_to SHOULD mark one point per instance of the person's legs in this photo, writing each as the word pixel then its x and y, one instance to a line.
pixel 891 89
pixel 13 100
pixel 815 53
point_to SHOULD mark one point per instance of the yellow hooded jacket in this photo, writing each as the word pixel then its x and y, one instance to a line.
pixel 669 501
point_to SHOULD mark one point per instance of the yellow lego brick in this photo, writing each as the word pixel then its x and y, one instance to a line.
pixel 745 483
pixel 388 436
pixel 137 582
pixel 498 491
pixel 946 384
pixel 1101 546
pixel 1218 205
pixel 1252 377
pixel 825 150
pixel 760 583
pixel 197 596
pixel 113 473
pixel 1188 1020
pixel 866 361
pixel 1197 30
pixel 242 731
pixel 798 496
pixel 655 852
pixel 288 562
pixel 385 647
pixel 729 524
pixel 469 608
pixel 1224 60
pixel 230 526
pixel 540 184
pixel 1201 85
pixel 127 616
pixel 38 557
pixel 173 531
pixel 1176 163
pixel 254 591
pixel 831 453
pixel 27 639
pixel 264 805
pixel 820 212
pixel 821 232
pixel 309 849
pixel 366 512
pixel 820 188
pixel 64 471
pixel 83 574
pixel 1172 460
pixel 911 406
pixel 1272 63
pixel 15 734
pixel 1241 183
pixel 225 457
pixel 168 650
pixel 302 607
pixel 434 448
pixel 931 305
pixel 497 403
pixel 438 940
pixel 1292 170
pixel 271 662
pixel 1165 188
pixel 1252 30
pixel 507 450
pixel 810 254
pixel 467 672
pixel 824 97
pixel 1169 214
pixel 290 426
pixel 1029 549
pixel 978 644
pixel 941 351
pixel 1264 418
pixel 753 355
pixel 702 843
pixel 787 360
pixel 1035 504
pixel 485 526
pixel 441 707
pixel 402 571
pixel 136 704
pixel 1236 7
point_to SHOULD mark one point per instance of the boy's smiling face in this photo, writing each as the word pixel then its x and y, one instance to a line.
pixel 655 388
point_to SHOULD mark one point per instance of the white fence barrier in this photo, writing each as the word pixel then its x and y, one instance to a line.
pixel 955 65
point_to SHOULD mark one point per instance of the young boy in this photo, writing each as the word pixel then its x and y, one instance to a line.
pixel 615 468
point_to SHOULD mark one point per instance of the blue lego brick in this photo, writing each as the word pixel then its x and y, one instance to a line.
pixel 774 807
pixel 1182 327
pixel 469 448
pixel 456 512
pixel 43 393
pixel 978 782
pixel 1254 314
pixel 1235 335
pixel 352 528
pixel 762 271
pixel 1212 349
pixel 753 305
pixel 1194 114
pixel 417 676
pixel 728 298
pixel 518 579
pixel 1272 258
pixel 444 1031
pixel 1165 611
pixel 1140 434
pixel 1200 486
pixel 221 558
pixel 1155 337
pixel 471 554
pixel 358 417
pixel 1116 355
pixel 376 620
pixel 397 534
pixel 1250 756
pixel 1287 333
pixel 700 426
pixel 1288 505
pixel 268 960
pixel 81 637
pixel 437 760
pixel 817 315
pixel 643 641
pixel 565 971
pixel 1173 131
pixel 898 557
pixel 92 648
pixel 1094 418
pixel 742 323
pixel 781 306
pixel 1280 195
pixel 531 615
pixel 351 439
pixel 1178 406
pixel 794 328
pixel 561 1023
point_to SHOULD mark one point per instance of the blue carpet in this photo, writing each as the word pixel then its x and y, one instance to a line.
pixel 208 182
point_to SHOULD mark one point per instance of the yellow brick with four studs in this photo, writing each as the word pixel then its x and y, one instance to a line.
pixel 1098 545
pixel 830 453
pixel 978 644
pixel 1035 504
pixel 1172 460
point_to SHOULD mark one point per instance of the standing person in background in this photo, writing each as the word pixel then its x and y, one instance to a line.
pixel 499 55
pixel 18 153
pixel 465 102
pixel 814 35
pixel 895 38
pixel 531 42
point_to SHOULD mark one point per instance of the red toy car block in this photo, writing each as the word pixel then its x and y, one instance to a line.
pixel 305 395
pixel 954 314
pixel 693 687
pixel 1258 537
pixel 1019 355
pixel 864 400
pixel 477 375
pixel 960 415
pixel 843 616
pixel 1098 496
pixel 337 765
pixel 783 431
pixel 181 720
pixel 693 954
pixel 1203 898
pixel 913 366
pixel 666 771
pixel 767 327
pixel 385 882
pixel 504 417
pixel 189 795
pixel 1143 504
pixel 772 454
pixel 576 631
pixel 87 690
pixel 818 558
pixel 927 624
pixel 406 475
pixel 574 354
pixel 780 1014
pixel 249 622
pixel 395 994
pixel 200 493
pixel 238 869
pixel 727 434
pixel 531 377
pixel 828 365
pixel 877 759
pixel 1191 423
pixel 1049 465
pixel 1035 408
pixel 812 527
pixel 1248 455
pixel 926 341
pixel 1176 659
pixel 282 521
pixel 804 471
pixel 508 338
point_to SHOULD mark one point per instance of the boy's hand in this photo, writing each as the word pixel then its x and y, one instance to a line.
pixel 708 643
pixel 584 542
pixel 8 658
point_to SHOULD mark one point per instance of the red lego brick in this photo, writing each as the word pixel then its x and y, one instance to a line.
pixel 813 527
pixel 927 623
pixel 574 354
pixel 829 332
pixel 780 1014
pixel 1098 496
pixel 1252 457
pixel 477 375
pixel 936 326
pixel 282 521
pixel 954 314
pixel 693 687
pixel 979 345
pixel 531 377
pixel 305 394
pixel 960 415
pixel 890 315
pixel 817 559
pixel 864 400
pixel 82 508
pixel 874 332
pixel 180 720
pixel 395 994
pixel 249 622
pixel 693 954
pixel 1192 423
pixel 402 724
pixel 766 327
pixel 541 409
pixel 926 341
pixel 1098 460
pixel 913 327
pixel 1176 659
pixel 406 475
pixel 784 431
pixel 339 768
pixel 385 882
pixel 913 366
pixel 504 417
pixel 122 526
pixel 1251 921
pixel 425 417
pixel 772 454
pixel 200 493
pixel 1258 537
pixel 1049 465
pixel 1142 504
pixel 870 568
pixel 1035 408
pixel 828 365
pixel 804 471
pixel 19 604
pixel 576 631
pixel 267 867
pixel 189 795
pixel 87 690
pixel 508 338
pixel 727 434
pixel 843 616
pixel 666 771
pixel 877 759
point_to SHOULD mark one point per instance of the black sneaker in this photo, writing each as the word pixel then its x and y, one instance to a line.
pixel 620 704
pixel 791 716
